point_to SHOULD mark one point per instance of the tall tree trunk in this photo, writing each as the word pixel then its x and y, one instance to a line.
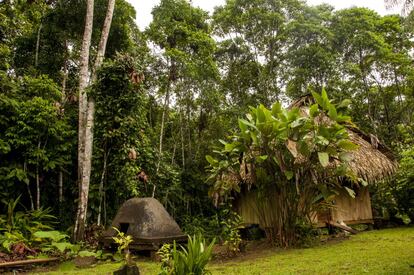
pixel 163 118
pixel 28 187
pixel 88 137
pixel 104 208
pixel 83 83
pixel 37 188
pixel 60 186
pixel 173 154
pixel 65 74
pixel 101 186
pixel 37 45
pixel 37 180
pixel 182 139
pixel 188 127
pixel 62 102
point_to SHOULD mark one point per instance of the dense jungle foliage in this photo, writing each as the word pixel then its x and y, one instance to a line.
pixel 166 95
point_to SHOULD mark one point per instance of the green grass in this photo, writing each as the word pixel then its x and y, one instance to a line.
pixel 389 251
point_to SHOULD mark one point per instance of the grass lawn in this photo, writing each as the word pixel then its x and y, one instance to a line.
pixel 388 251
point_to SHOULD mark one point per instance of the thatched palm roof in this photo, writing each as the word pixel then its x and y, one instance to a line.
pixel 373 160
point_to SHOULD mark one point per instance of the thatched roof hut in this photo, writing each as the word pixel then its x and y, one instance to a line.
pixel 372 161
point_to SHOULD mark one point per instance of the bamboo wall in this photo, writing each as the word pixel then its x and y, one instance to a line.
pixel 351 210
pixel 346 209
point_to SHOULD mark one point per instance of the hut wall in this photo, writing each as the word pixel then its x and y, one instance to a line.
pixel 347 209
pixel 246 207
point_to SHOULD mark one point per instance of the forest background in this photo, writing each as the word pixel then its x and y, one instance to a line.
pixel 165 96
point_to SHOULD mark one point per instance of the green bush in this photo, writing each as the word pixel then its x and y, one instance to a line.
pixel 403 191
pixel 34 229
pixel 230 230
pixel 223 226
pixel 53 242
pixel 306 234
pixel 10 238
pixel 19 227
pixel 209 227
pixel 394 199
pixel 25 222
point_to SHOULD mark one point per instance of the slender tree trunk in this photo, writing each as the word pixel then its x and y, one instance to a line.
pixel 64 79
pixel 173 154
pixel 37 181
pixel 101 187
pixel 38 45
pixel 65 76
pixel 83 83
pixel 37 188
pixel 104 208
pixel 60 186
pixel 163 118
pixel 182 140
pixel 28 187
pixel 88 137
pixel 190 149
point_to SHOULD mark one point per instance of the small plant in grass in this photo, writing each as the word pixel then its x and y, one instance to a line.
pixel 190 260
pixel 230 231
pixel 123 242
pixel 165 254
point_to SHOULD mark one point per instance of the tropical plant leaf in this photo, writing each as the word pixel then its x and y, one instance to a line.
pixel 211 160
pixel 323 158
pixel 62 246
pixel 347 145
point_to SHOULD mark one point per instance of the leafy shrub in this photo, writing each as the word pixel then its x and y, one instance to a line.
pixel 394 199
pixel 8 239
pixel 53 241
pixel 209 227
pixel 306 234
pixel 192 260
pixel 404 190
pixel 223 226
pixel 230 230
pixel 19 227
pixel 26 222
